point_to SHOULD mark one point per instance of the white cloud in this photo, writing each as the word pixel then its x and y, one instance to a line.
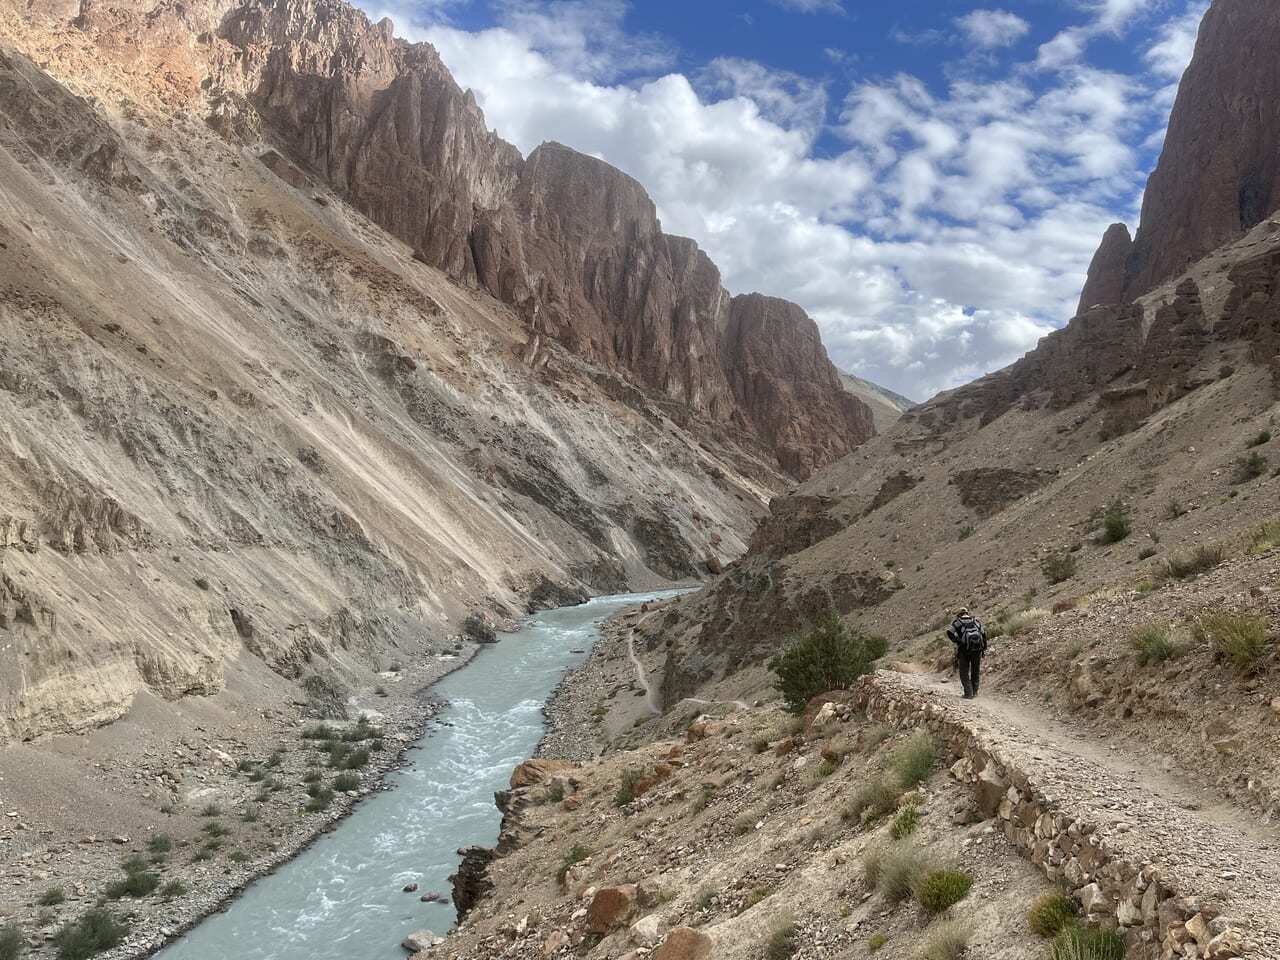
pixel 811 6
pixel 992 28
pixel 947 231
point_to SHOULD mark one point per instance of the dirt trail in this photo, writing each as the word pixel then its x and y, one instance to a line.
pixel 1215 850
pixel 641 677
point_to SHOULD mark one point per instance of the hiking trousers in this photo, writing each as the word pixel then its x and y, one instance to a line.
pixel 970 664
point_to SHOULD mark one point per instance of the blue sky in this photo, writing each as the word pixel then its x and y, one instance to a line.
pixel 928 179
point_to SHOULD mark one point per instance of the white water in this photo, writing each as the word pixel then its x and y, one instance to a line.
pixel 342 899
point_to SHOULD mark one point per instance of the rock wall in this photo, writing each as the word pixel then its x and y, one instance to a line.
pixel 1160 917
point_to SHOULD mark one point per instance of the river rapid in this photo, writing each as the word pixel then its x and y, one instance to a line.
pixel 342 898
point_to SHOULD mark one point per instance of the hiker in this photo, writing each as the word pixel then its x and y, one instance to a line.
pixel 967 633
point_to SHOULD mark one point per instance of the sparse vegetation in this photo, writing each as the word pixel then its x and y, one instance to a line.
pixel 1074 943
pixel 876 941
pixel 966 532
pixel 627 789
pixel 1192 563
pixel 95 931
pixel 52 897
pixel 913 761
pixel 321 731
pixel 941 889
pixel 212 810
pixel 1146 553
pixel 214 829
pixel 137 881
pixel 346 781
pixel 1051 913
pixel 902 868
pixel 1250 467
pixel 705 897
pixel 12 943
pixel 173 889
pixel 1059 567
pixel 1266 537
pixel 1012 624
pixel 830 657
pixel 1116 521
pixel 1240 637
pixel 160 844
pixel 872 801
pixel 1156 643
pixel 905 822
pixel 574 855
pixel 782 941
pixel 946 940
pixel 1259 439
pixel 319 801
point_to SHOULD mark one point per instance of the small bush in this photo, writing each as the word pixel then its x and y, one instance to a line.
pixel 95 931
pixel 1059 567
pixel 1238 637
pixel 876 736
pixel 946 940
pixel 876 941
pixel 212 810
pixel 1250 467
pixel 1156 643
pixel 902 869
pixel 319 801
pixel 1182 566
pixel 830 657
pixel 161 843
pixel 1265 538
pixel 941 889
pixel 135 883
pixel 966 532
pixel 1259 439
pixel 12 943
pixel 215 829
pixel 905 822
pixel 627 789
pixel 1146 553
pixel 173 889
pixel 352 759
pixel 1074 943
pixel 321 731
pixel 705 897
pixel 1116 521
pixel 576 854
pixel 346 781
pixel 1051 913
pixel 250 814
pixel 913 761
pixel 52 897
pixel 872 801
pixel 782 942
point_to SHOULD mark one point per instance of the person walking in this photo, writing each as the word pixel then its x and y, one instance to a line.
pixel 970 637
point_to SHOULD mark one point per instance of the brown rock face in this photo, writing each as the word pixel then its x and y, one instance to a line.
pixel 1105 284
pixel 1219 174
pixel 572 243
pixel 532 772
pixel 610 908
pixel 685 943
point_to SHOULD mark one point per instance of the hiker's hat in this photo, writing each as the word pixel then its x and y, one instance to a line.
pixel 962 612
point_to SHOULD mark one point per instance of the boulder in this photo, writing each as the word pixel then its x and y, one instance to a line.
pixel 416 942
pixel 611 908
pixel 532 772
pixel 684 943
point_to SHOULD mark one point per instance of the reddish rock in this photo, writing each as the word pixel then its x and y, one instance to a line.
pixel 714 566
pixel 684 943
pixel 610 908
pixel 1105 283
pixel 1219 172
pixel 533 772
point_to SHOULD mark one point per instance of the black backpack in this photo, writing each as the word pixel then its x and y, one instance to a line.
pixel 972 638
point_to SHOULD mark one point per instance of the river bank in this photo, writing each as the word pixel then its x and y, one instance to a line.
pixel 61 852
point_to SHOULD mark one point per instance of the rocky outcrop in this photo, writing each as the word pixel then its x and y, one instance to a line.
pixel 1106 280
pixel 570 242
pixel 1219 172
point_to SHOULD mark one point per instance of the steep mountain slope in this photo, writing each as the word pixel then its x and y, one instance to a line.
pixel 886 406
pixel 1149 402
pixel 246 424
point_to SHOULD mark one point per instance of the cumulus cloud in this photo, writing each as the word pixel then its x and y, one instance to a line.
pixel 934 232
pixel 992 28
pixel 811 6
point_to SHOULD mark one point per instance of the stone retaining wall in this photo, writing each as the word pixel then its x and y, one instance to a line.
pixel 1160 922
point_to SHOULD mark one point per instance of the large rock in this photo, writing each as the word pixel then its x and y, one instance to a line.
pixel 421 940
pixel 684 943
pixel 533 772
pixel 1219 172
pixel 1105 283
pixel 610 908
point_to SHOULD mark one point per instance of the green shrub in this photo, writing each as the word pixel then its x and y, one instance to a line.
pixel 319 801
pixel 913 761
pixel 95 931
pixel 250 814
pixel 214 829
pixel 902 868
pixel 705 897
pixel 1051 913
pixel 346 781
pixel 575 854
pixel 1192 563
pixel 321 731
pixel 161 843
pixel 1156 643
pixel 905 822
pixel 1239 637
pixel 830 657
pixel 627 789
pixel 876 941
pixel 782 942
pixel 1259 439
pixel 312 776
pixel 138 883
pixel 1116 521
pixel 173 889
pixel 966 532
pixel 1265 538
pixel 946 940
pixel 1250 467
pixel 1147 553
pixel 52 897
pixel 12 943
pixel 1074 943
pixel 1059 567
pixel 872 801
pixel 941 889
pixel 876 736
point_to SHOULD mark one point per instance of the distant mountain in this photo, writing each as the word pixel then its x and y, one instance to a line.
pixel 886 406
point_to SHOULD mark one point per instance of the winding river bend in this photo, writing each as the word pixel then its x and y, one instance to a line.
pixel 342 898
